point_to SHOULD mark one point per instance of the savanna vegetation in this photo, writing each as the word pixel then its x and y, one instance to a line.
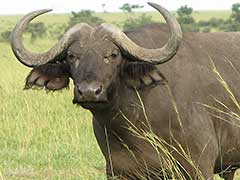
pixel 42 134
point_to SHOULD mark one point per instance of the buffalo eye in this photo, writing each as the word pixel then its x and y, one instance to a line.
pixel 114 53
pixel 70 56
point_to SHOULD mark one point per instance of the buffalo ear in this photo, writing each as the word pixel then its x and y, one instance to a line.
pixel 49 76
pixel 142 75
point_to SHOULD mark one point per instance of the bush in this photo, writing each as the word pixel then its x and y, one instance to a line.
pixel 130 7
pixel 184 11
pixel 5 36
pixel 36 30
pixel 203 23
pixel 216 22
pixel 190 28
pixel 56 30
pixel 236 12
pixel 185 15
pixel 131 23
pixel 206 29
pixel 230 26
pixel 233 23
pixel 212 23
pixel 186 20
pixel 85 16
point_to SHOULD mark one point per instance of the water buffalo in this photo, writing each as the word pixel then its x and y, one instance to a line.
pixel 124 80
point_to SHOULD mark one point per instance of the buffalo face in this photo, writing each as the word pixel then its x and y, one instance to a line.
pixel 94 68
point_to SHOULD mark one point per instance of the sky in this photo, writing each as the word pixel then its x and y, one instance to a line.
pixel 62 6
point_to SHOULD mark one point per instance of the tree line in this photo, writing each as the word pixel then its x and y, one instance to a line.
pixel 188 23
pixel 184 16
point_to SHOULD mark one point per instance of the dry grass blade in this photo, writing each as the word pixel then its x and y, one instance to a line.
pixel 224 84
pixel 109 152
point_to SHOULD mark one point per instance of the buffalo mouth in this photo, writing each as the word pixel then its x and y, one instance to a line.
pixel 90 104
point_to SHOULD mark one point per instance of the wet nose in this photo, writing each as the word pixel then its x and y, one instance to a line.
pixel 90 91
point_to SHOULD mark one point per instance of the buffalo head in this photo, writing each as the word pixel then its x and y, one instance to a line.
pixel 94 57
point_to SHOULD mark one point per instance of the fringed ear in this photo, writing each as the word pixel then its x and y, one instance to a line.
pixel 49 76
pixel 141 75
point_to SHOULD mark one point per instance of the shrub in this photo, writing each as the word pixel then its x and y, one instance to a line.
pixel 131 23
pixel 130 7
pixel 203 23
pixel 190 27
pixel 206 29
pixel 56 30
pixel 233 22
pixel 236 12
pixel 185 15
pixel 36 30
pixel 215 22
pixel 85 16
pixel 5 36
pixel 187 22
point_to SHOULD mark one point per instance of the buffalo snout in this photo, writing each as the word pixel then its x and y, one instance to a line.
pixel 89 92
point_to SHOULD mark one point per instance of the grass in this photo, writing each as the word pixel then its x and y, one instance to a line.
pixel 42 135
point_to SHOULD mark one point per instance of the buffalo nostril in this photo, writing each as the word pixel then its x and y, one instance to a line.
pixel 98 90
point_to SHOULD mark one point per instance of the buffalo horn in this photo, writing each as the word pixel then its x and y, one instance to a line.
pixel 33 59
pixel 153 56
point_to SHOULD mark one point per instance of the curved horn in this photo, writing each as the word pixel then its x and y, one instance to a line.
pixel 153 56
pixel 32 59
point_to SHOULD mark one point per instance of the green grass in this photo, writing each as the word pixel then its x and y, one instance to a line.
pixel 42 135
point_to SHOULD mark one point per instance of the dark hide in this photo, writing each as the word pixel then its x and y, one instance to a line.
pixel 51 76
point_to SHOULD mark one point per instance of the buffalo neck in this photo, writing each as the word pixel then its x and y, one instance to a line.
pixel 124 110
pixel 119 107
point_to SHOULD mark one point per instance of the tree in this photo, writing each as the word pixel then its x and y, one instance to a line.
pixel 36 30
pixel 185 10
pixel 86 16
pixel 236 12
pixel 232 23
pixel 103 7
pixel 128 8
pixel 133 21
pixel 185 15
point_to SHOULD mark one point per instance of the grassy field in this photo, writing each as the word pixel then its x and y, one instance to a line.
pixel 7 22
pixel 42 135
